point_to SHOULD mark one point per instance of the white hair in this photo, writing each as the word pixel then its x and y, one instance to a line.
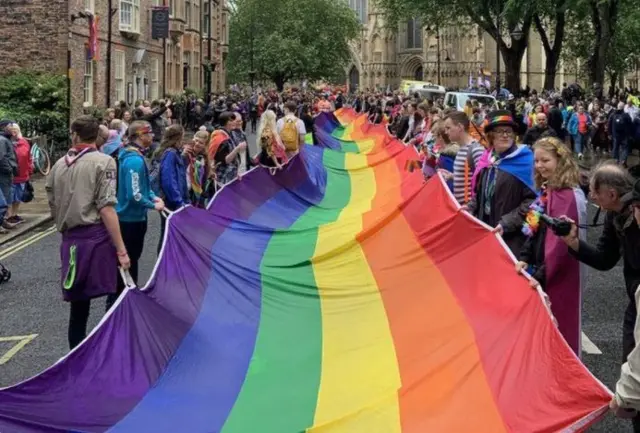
pixel 15 126
pixel 268 119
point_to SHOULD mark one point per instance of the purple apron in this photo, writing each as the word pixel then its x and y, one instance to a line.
pixel 89 263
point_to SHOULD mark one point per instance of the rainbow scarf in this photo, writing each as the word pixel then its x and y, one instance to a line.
pixel 197 172
pixel 341 294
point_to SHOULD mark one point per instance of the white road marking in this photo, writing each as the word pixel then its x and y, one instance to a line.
pixel 589 346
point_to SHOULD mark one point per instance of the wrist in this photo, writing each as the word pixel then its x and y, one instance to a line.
pixel 122 253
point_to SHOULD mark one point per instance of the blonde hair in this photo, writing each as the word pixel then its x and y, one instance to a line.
pixel 16 127
pixel 268 120
pixel 115 124
pixel 567 173
pixel 438 131
pixel 202 135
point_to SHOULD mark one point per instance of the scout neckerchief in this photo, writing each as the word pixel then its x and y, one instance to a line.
pixel 77 152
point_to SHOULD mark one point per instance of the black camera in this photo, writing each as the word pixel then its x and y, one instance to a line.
pixel 559 227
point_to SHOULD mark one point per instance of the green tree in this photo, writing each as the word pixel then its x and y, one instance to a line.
pixel 499 18
pixel 290 39
pixel 587 32
pixel 550 21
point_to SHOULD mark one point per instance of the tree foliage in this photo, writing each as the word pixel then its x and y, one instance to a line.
pixel 511 15
pixel 37 101
pixel 582 40
pixel 290 39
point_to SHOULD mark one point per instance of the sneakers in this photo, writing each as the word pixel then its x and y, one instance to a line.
pixel 8 225
pixel 16 219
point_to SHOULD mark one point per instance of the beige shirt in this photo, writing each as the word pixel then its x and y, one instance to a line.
pixel 78 191
pixel 628 387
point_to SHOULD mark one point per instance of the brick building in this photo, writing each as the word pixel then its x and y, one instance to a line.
pixel 39 34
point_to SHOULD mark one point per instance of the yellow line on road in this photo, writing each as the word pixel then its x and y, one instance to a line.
pixel 25 243
pixel 22 341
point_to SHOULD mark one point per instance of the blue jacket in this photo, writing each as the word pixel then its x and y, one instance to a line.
pixel 572 127
pixel 135 197
pixel 173 180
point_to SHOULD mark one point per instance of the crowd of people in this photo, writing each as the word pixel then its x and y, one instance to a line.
pixel 514 166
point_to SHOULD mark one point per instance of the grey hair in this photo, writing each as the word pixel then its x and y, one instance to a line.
pixel 612 175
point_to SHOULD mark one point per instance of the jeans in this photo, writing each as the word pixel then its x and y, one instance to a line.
pixel 580 142
pixel 620 149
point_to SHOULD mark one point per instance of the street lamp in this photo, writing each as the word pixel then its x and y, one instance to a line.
pixel 439 50
pixel 252 76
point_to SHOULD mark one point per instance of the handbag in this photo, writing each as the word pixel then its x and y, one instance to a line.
pixel 28 193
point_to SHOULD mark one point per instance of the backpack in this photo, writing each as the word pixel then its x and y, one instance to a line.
pixel 289 134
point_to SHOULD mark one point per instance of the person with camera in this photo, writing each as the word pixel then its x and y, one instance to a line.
pixel 626 401
pixel 544 256
pixel 612 188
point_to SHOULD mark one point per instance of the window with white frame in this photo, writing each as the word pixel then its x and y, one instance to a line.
pixel 155 71
pixel 88 79
pixel 119 59
pixel 90 5
pixel 206 18
pixel 130 16
pixel 168 67
pixel 196 16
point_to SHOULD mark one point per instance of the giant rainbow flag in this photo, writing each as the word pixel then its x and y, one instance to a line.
pixel 342 294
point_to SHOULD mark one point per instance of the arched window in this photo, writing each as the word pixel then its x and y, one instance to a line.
pixel 414 33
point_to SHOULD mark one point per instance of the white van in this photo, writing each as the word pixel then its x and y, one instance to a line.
pixel 428 91
pixel 457 100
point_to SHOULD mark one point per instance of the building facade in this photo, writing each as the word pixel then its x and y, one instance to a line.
pixel 198 45
pixel 140 67
pixel 416 51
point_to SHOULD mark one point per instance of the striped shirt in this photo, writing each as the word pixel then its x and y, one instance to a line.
pixel 459 170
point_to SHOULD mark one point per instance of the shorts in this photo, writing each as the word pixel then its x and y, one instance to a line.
pixel 17 192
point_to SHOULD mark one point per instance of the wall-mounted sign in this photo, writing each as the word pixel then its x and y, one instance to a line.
pixel 160 22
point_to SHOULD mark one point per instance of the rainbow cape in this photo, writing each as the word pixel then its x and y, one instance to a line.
pixel 341 294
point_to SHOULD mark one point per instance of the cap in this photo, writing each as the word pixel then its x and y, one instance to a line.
pixel 5 122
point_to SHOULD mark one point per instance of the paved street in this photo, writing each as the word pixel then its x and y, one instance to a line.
pixel 31 306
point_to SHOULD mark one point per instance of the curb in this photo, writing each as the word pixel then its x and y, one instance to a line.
pixel 26 228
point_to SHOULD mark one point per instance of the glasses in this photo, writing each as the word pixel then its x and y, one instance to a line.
pixel 504 132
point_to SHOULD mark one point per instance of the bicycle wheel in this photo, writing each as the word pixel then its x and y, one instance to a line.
pixel 41 161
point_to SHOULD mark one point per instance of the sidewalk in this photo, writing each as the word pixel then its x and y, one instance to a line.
pixel 35 213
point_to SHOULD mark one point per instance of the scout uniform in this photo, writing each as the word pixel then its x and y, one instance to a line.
pixel 79 185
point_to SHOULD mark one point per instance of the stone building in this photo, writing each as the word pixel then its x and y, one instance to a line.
pixel 45 34
pixel 416 51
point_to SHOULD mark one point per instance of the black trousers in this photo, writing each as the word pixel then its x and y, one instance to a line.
pixel 163 227
pixel 78 318
pixel 133 234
